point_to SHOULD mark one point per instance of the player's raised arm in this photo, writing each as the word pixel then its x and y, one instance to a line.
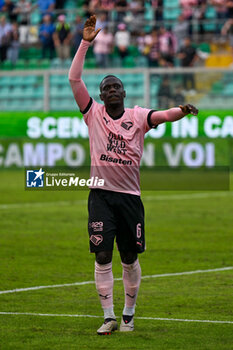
pixel 79 89
pixel 172 114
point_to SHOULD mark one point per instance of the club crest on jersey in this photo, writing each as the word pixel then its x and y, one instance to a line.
pixel 127 125
pixel 96 239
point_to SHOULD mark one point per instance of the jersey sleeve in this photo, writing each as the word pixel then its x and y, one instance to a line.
pixel 143 118
pixel 91 111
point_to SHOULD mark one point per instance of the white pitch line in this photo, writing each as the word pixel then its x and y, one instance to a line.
pixel 188 196
pixel 115 279
pixel 94 316
pixel 145 198
pixel 40 204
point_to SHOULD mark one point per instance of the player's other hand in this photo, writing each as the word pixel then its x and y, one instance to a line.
pixel 89 32
pixel 189 109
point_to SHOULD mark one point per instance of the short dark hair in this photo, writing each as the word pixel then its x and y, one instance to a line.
pixel 109 76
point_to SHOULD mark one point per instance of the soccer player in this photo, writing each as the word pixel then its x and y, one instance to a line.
pixel 115 210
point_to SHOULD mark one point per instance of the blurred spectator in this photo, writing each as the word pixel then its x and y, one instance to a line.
pixel 221 11
pixel 178 97
pixel 62 38
pixel 188 56
pixel 46 32
pixel 9 8
pixel 151 49
pixel 122 40
pixel 101 21
pixel 157 5
pixel 164 94
pixel 228 29
pixel 137 14
pixel 106 5
pixel 180 31
pixel 13 50
pixel 229 5
pixel 59 4
pixel 141 42
pixel 46 6
pixel 199 14
pixel 92 7
pixel 103 46
pixel 121 6
pixel 188 7
pixel 23 9
pixel 1 4
pixel 5 36
pixel 78 32
pixel 167 47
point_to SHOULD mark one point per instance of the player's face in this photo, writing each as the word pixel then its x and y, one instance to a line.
pixel 112 91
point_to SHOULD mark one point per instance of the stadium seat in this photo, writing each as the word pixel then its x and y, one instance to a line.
pixel 129 62
pixel 44 63
pixel 5 92
pixel 228 90
pixel 210 14
pixel 56 63
pixel 35 17
pixel 90 63
pixel 6 65
pixel 21 64
pixel 141 61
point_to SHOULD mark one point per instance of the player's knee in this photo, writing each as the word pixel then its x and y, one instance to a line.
pixel 103 257
pixel 128 257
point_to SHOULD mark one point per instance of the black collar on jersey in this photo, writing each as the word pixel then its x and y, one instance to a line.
pixel 118 116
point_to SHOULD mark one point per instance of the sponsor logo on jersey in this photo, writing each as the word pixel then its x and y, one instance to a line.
pixel 96 239
pixel 109 159
pixel 106 121
pixel 127 125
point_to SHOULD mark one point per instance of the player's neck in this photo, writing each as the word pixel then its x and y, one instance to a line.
pixel 115 111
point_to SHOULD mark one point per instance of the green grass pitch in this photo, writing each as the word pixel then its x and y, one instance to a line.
pixel 44 241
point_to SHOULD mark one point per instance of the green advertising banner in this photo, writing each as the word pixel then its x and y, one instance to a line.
pixel 54 139
pixel 70 125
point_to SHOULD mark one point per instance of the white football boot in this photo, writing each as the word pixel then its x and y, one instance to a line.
pixel 109 326
pixel 127 324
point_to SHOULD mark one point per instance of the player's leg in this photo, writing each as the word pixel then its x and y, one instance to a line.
pixel 104 286
pixel 102 233
pixel 131 241
pixel 131 281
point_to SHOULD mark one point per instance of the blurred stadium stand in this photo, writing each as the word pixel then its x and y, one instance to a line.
pixel 34 83
pixel 50 90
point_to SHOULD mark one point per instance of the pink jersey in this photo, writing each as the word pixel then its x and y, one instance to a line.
pixel 116 146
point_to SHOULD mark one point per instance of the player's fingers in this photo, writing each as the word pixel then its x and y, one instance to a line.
pixel 193 109
pixel 87 23
pixel 97 31
pixel 93 20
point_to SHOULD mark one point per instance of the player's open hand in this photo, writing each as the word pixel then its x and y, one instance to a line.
pixel 189 109
pixel 89 32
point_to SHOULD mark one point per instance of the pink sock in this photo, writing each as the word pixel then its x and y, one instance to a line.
pixel 104 286
pixel 131 280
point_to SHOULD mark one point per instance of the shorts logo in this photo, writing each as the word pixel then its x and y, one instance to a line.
pixel 96 239
pixel 96 226
pixel 139 230
pixel 127 125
